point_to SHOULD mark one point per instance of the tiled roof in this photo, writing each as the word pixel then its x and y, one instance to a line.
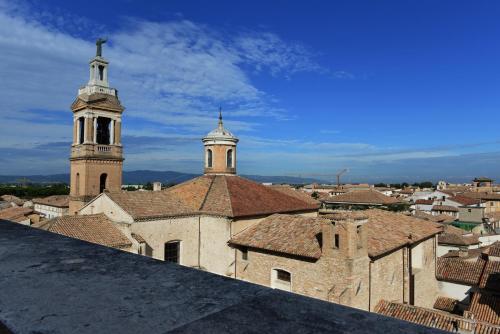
pixel 363 197
pixel 61 201
pixel 389 230
pixel 485 307
pixel 456 236
pixel 289 234
pixel 433 318
pixel 445 304
pixel 473 253
pixel 297 193
pixel 137 237
pixel 222 195
pixel 13 199
pixel 148 204
pixel 96 228
pixel 442 218
pixel 447 208
pixel 297 234
pixel 459 271
pixel 16 214
pixel 494 249
pixel 464 200
pixel 424 201
pixel 490 279
pixel 483 196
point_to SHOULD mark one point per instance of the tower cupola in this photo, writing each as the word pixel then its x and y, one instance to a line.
pixel 220 150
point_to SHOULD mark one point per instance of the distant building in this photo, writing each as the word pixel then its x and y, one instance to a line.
pixel 359 200
pixel 20 215
pixel 52 206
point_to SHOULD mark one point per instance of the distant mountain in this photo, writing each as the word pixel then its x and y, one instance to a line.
pixel 144 176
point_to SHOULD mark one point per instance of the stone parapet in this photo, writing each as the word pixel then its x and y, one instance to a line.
pixel 55 284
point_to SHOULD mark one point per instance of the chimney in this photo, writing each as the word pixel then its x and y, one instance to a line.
pixel 156 186
pixel 463 252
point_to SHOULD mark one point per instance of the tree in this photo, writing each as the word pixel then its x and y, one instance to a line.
pixel 315 195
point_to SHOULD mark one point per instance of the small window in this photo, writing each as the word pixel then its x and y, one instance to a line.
pixel 209 158
pixel 470 210
pixel 358 236
pixel 244 254
pixel 172 251
pixel 284 276
pixel 229 158
pixel 77 184
pixel 337 241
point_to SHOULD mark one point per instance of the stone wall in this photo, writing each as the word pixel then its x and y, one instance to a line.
pixel 426 290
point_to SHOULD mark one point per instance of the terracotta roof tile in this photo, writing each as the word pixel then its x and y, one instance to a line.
pixel 447 208
pixel 96 228
pixel 61 201
pixel 464 200
pixel 485 307
pixel 16 214
pixel 298 194
pixel 456 236
pixel 424 201
pixel 483 196
pixel 389 230
pixel 459 271
pixel 289 234
pixel 297 234
pixel 445 304
pixel 433 318
pixel 249 198
pixel 143 205
pixel 223 195
pixel 363 197
pixel 491 276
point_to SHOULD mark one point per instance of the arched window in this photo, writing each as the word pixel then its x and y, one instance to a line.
pixel 102 182
pixel 229 158
pixel 103 133
pixel 172 251
pixel 77 184
pixel 209 158
pixel 281 279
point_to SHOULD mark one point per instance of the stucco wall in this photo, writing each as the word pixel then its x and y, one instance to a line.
pixel 453 290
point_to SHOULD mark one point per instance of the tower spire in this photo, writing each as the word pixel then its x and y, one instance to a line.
pixel 221 125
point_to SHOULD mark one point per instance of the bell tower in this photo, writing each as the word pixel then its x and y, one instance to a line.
pixel 96 153
pixel 220 150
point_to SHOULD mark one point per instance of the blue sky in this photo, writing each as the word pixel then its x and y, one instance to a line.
pixel 392 90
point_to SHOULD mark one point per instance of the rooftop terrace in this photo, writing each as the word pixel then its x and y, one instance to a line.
pixel 53 284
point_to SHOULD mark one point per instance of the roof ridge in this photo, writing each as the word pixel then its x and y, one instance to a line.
pixel 229 196
pixel 206 194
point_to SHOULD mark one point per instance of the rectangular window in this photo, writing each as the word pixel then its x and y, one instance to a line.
pixel 337 241
pixel 244 254
pixel 172 251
